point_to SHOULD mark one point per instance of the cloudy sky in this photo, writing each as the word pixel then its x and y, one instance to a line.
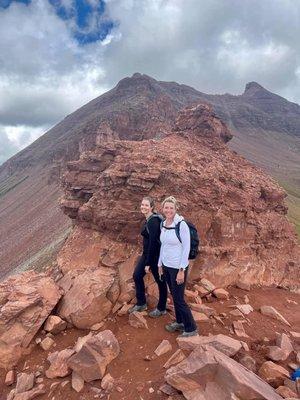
pixel 56 55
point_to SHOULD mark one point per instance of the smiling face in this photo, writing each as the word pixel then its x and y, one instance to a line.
pixel 146 208
pixel 169 210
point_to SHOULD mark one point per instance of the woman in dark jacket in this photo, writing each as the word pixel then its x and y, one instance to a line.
pixel 149 261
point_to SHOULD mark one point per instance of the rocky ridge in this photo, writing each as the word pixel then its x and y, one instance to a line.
pixel 247 347
pixel 239 211
pixel 265 130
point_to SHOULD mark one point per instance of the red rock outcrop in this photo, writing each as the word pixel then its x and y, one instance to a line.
pixel 26 300
pixel 89 296
pixel 239 210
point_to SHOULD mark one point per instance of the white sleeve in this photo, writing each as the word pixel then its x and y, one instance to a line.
pixel 185 237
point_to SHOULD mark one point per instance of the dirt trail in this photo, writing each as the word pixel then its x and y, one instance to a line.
pixel 133 373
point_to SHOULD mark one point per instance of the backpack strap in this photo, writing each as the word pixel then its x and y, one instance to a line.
pixel 177 231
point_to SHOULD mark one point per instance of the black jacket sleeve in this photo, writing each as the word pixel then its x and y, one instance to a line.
pixel 154 241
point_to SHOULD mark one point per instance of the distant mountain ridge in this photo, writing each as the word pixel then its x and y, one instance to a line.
pixel 256 108
pixel 266 129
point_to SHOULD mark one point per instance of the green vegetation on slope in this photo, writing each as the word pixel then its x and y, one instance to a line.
pixel 293 202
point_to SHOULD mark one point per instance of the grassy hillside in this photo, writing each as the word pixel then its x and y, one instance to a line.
pixel 293 202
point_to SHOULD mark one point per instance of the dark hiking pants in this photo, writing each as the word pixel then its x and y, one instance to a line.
pixel 182 311
pixel 138 277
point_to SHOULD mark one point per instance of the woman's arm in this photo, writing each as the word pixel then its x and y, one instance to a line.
pixel 154 233
pixel 185 237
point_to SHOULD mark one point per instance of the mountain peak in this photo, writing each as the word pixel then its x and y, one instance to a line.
pixel 136 79
pixel 253 87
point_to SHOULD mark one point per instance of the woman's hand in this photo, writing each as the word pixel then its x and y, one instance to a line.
pixel 160 272
pixel 180 277
pixel 147 269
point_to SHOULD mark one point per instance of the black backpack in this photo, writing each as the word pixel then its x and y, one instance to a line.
pixel 195 240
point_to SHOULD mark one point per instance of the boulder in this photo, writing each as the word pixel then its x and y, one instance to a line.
pixel 286 392
pixel 10 377
pixel 58 363
pixel 107 383
pixel 190 294
pixel 283 341
pixel 221 294
pixel 55 324
pixel 137 320
pixel 275 353
pixel 163 348
pixel 200 317
pixel 244 308
pixel 243 285
pixel 168 389
pixel 26 300
pixel 177 357
pixel 209 374
pixel 97 326
pixel 124 309
pixel 86 301
pixel 77 382
pixel 31 394
pixel 223 343
pixel 207 285
pixel 273 313
pixel 273 374
pixel 94 356
pixel 239 329
pixel 25 382
pixel 236 313
pixel 248 362
pixel 202 308
pixel 81 340
pixel 47 343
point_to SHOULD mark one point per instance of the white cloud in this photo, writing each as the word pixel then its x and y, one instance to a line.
pixel 44 73
pixel 21 136
pixel 7 147
pixel 215 46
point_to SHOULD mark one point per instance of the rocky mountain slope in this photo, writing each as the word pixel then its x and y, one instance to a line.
pixel 66 332
pixel 138 108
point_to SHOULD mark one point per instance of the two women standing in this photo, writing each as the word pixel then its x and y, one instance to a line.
pixel 149 261
pixel 166 247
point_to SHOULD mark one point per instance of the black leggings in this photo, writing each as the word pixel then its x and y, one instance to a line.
pixel 138 277
pixel 182 311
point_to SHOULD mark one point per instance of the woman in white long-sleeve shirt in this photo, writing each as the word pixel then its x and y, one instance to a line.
pixel 173 265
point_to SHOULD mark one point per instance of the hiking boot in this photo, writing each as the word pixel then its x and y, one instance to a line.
pixel 174 326
pixel 188 334
pixel 137 308
pixel 157 313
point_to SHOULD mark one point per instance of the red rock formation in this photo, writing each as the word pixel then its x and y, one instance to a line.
pixel 239 210
pixel 26 300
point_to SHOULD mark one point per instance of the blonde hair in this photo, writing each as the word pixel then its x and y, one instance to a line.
pixel 171 199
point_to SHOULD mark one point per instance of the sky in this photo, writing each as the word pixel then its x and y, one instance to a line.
pixel 56 55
